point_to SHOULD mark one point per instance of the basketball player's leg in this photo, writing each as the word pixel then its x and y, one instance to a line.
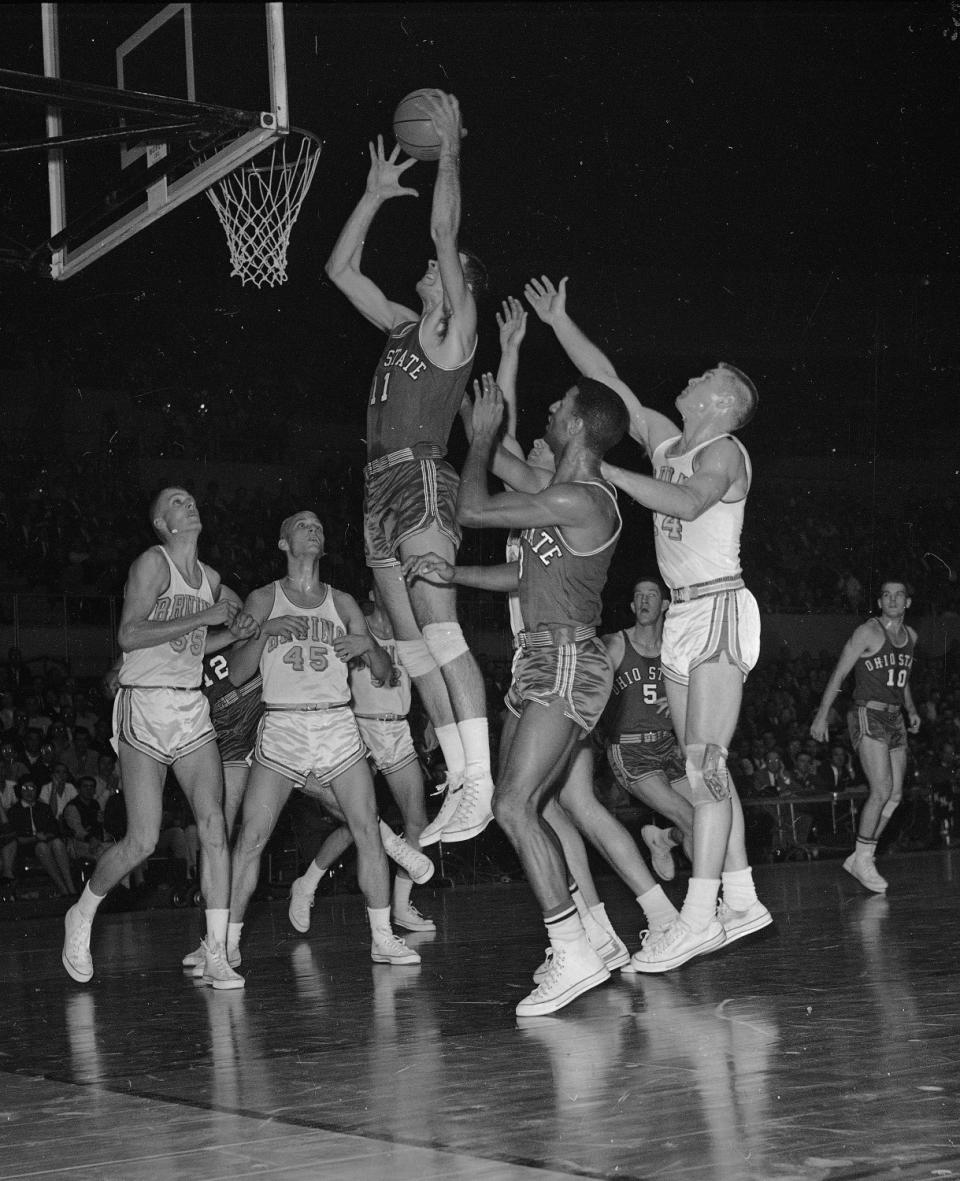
pixel 266 794
pixel 672 802
pixel 143 792
pixel 235 777
pixel 876 759
pixel 538 755
pixel 421 666
pixel 200 774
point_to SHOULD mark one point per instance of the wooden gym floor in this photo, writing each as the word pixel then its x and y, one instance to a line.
pixel 827 1047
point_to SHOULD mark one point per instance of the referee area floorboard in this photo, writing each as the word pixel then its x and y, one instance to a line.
pixel 827 1047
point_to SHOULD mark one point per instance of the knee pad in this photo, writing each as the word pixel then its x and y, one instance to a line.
pixel 445 641
pixel 707 773
pixel 889 808
pixel 415 657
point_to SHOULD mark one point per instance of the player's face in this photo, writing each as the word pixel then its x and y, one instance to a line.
pixel 700 392
pixel 432 283
pixel 560 412
pixel 893 599
pixel 647 602
pixel 178 511
pixel 304 535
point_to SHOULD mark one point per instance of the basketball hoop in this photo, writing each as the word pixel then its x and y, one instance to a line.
pixel 258 204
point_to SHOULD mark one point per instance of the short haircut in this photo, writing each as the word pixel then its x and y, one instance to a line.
pixel 908 589
pixel 86 779
pixel 476 275
pixel 603 414
pixel 655 579
pixel 155 504
pixel 746 393
pixel 287 522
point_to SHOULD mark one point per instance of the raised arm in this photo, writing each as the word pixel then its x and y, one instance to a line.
pixel 343 265
pixel 455 331
pixel 648 427
pixel 147 580
pixel 512 325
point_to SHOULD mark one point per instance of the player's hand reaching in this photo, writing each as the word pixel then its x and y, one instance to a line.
pixel 224 610
pixel 444 112
pixel 512 324
pixel 819 729
pixel 286 627
pixel 352 646
pixel 549 302
pixel 431 567
pixel 244 626
pixel 487 408
pixel 383 179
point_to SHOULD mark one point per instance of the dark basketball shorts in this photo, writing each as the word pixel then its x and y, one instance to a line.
pixel 636 756
pixel 235 718
pixel 405 499
pixel 886 726
pixel 580 674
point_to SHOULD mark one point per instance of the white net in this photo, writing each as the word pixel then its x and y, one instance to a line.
pixel 259 203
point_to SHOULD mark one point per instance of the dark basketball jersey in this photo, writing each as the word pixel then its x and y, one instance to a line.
pixel 558 584
pixel 235 710
pixel 884 675
pixel 637 687
pixel 412 400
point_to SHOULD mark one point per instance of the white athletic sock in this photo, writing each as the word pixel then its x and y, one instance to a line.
pixel 700 904
pixel 88 902
pixel 379 917
pixel 217 925
pixel 451 747
pixel 402 887
pixel 565 927
pixel 233 935
pixel 599 912
pixel 658 908
pixel 312 875
pixel 475 736
pixel 739 891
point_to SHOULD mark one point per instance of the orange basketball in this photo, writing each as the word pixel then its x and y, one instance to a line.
pixel 412 127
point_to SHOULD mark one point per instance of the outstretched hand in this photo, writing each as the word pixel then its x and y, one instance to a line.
pixel 444 112
pixel 425 565
pixel 547 301
pixel 383 179
pixel 487 408
pixel 512 323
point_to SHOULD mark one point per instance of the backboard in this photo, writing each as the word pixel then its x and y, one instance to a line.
pixel 148 106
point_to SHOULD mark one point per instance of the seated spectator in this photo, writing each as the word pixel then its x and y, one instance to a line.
pixel 836 772
pixel 38 835
pixel 773 779
pixel 108 777
pixel 81 758
pixel 11 768
pixel 83 823
pixel 804 779
pixel 8 855
pixel 33 752
pixel 58 791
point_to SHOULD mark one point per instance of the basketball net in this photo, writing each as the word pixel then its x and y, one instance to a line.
pixel 259 203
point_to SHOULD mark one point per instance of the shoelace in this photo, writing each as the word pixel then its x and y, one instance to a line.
pixel 557 960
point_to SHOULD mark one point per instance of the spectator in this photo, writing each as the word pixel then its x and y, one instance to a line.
pixel 83 823
pixel 836 773
pixel 38 834
pixel 772 779
pixel 58 791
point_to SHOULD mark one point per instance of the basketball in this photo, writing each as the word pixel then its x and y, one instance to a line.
pixel 412 128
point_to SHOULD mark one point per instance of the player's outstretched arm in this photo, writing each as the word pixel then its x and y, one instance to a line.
pixel 459 335
pixel 863 641
pixel 512 326
pixel 648 427
pixel 343 265
pixel 720 466
pixel 432 567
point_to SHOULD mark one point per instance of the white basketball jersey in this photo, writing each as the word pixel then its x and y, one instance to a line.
pixel 391 698
pixel 305 672
pixel 690 552
pixel 177 663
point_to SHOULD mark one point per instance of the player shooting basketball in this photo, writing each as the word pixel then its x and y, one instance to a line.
pixel 410 491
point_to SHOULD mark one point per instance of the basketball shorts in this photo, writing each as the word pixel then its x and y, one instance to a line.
pixel 405 499
pixel 886 726
pixel 703 630
pixel 166 724
pixel 580 675
pixel 636 756
pixel 235 718
pixel 389 742
pixel 301 743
